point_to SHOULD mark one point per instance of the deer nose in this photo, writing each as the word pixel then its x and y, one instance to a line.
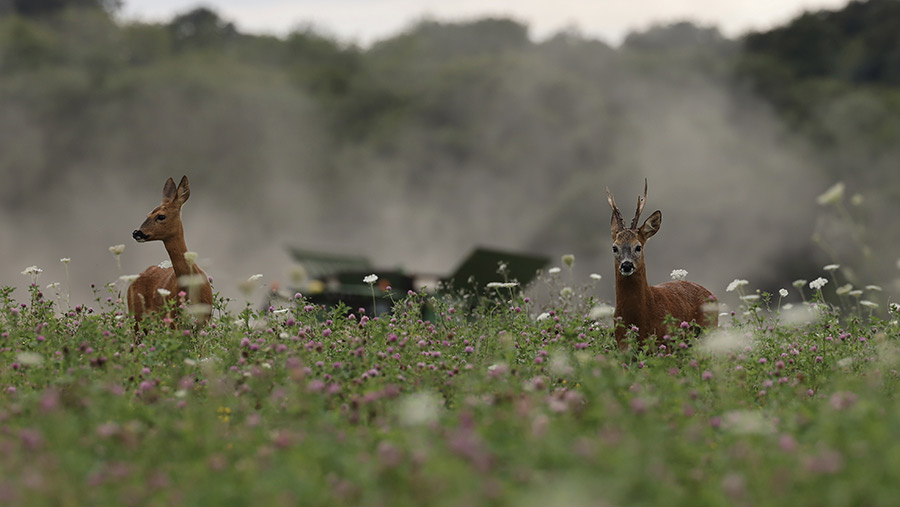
pixel 138 235
pixel 626 268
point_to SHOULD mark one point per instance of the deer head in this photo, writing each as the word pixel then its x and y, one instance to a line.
pixel 628 243
pixel 164 222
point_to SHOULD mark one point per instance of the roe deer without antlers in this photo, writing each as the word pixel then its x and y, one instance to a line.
pixel 164 224
pixel 639 304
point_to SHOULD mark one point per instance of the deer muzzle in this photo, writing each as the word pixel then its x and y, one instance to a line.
pixel 626 268
pixel 139 236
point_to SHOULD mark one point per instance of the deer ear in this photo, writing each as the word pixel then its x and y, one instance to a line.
pixel 184 190
pixel 651 225
pixel 169 190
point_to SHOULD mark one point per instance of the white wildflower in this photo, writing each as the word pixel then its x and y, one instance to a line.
pixel 370 279
pixel 678 274
pixel 543 316
pixel 844 362
pixel 568 260
pixel 29 358
pixel 195 280
pixel 894 307
pixel 595 276
pixel 856 293
pixel 735 284
pixel 249 285
pixel 833 195
pixel 747 422
pixel 783 293
pixel 502 285
pixel 876 288
pixel 163 292
pixel 792 316
pixel 117 249
pixel 601 312
pixel 419 409
pixel 750 297
pixel 128 278
pixel 197 310
pixel 566 292
pixel 560 365
pixel 298 274
pixel 191 257
pixel 54 285
pixel 32 270
pixel 723 341
pixel 832 267
pixel 818 283
pixel 166 264
pixel 65 260
pixel 843 289
pixel 870 304
pixel 799 283
pixel 554 270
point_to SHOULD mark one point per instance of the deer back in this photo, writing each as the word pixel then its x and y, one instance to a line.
pixel 684 301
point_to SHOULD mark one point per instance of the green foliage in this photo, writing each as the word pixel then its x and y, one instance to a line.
pixel 491 405
pixel 822 65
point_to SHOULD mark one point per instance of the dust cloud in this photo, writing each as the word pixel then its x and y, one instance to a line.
pixel 544 137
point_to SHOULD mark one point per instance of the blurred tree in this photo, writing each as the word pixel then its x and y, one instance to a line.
pixel 40 8
pixel 201 28
pixel 683 34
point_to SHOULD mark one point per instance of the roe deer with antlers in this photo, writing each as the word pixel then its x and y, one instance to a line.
pixel 639 304
pixel 164 224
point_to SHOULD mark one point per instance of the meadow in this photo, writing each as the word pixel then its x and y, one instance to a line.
pixel 500 400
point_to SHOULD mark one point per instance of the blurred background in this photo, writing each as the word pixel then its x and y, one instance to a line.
pixel 411 135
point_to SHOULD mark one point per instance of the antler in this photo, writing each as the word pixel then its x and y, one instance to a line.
pixel 615 209
pixel 640 206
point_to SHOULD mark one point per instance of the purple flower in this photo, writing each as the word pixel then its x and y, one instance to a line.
pixel 787 443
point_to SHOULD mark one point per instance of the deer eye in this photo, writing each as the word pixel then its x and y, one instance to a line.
pixel 160 218
pixel 637 248
pixel 615 249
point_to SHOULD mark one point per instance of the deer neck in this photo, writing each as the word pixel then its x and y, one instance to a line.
pixel 632 293
pixel 176 249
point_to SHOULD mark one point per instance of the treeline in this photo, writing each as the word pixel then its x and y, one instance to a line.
pixel 427 133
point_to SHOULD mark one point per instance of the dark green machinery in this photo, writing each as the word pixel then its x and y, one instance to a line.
pixel 329 279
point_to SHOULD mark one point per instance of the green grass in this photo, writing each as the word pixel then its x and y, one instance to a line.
pixel 488 406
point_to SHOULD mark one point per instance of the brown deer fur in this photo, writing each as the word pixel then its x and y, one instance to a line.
pixel 645 306
pixel 164 224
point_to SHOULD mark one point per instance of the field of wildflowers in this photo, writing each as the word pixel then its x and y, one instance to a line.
pixel 497 402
